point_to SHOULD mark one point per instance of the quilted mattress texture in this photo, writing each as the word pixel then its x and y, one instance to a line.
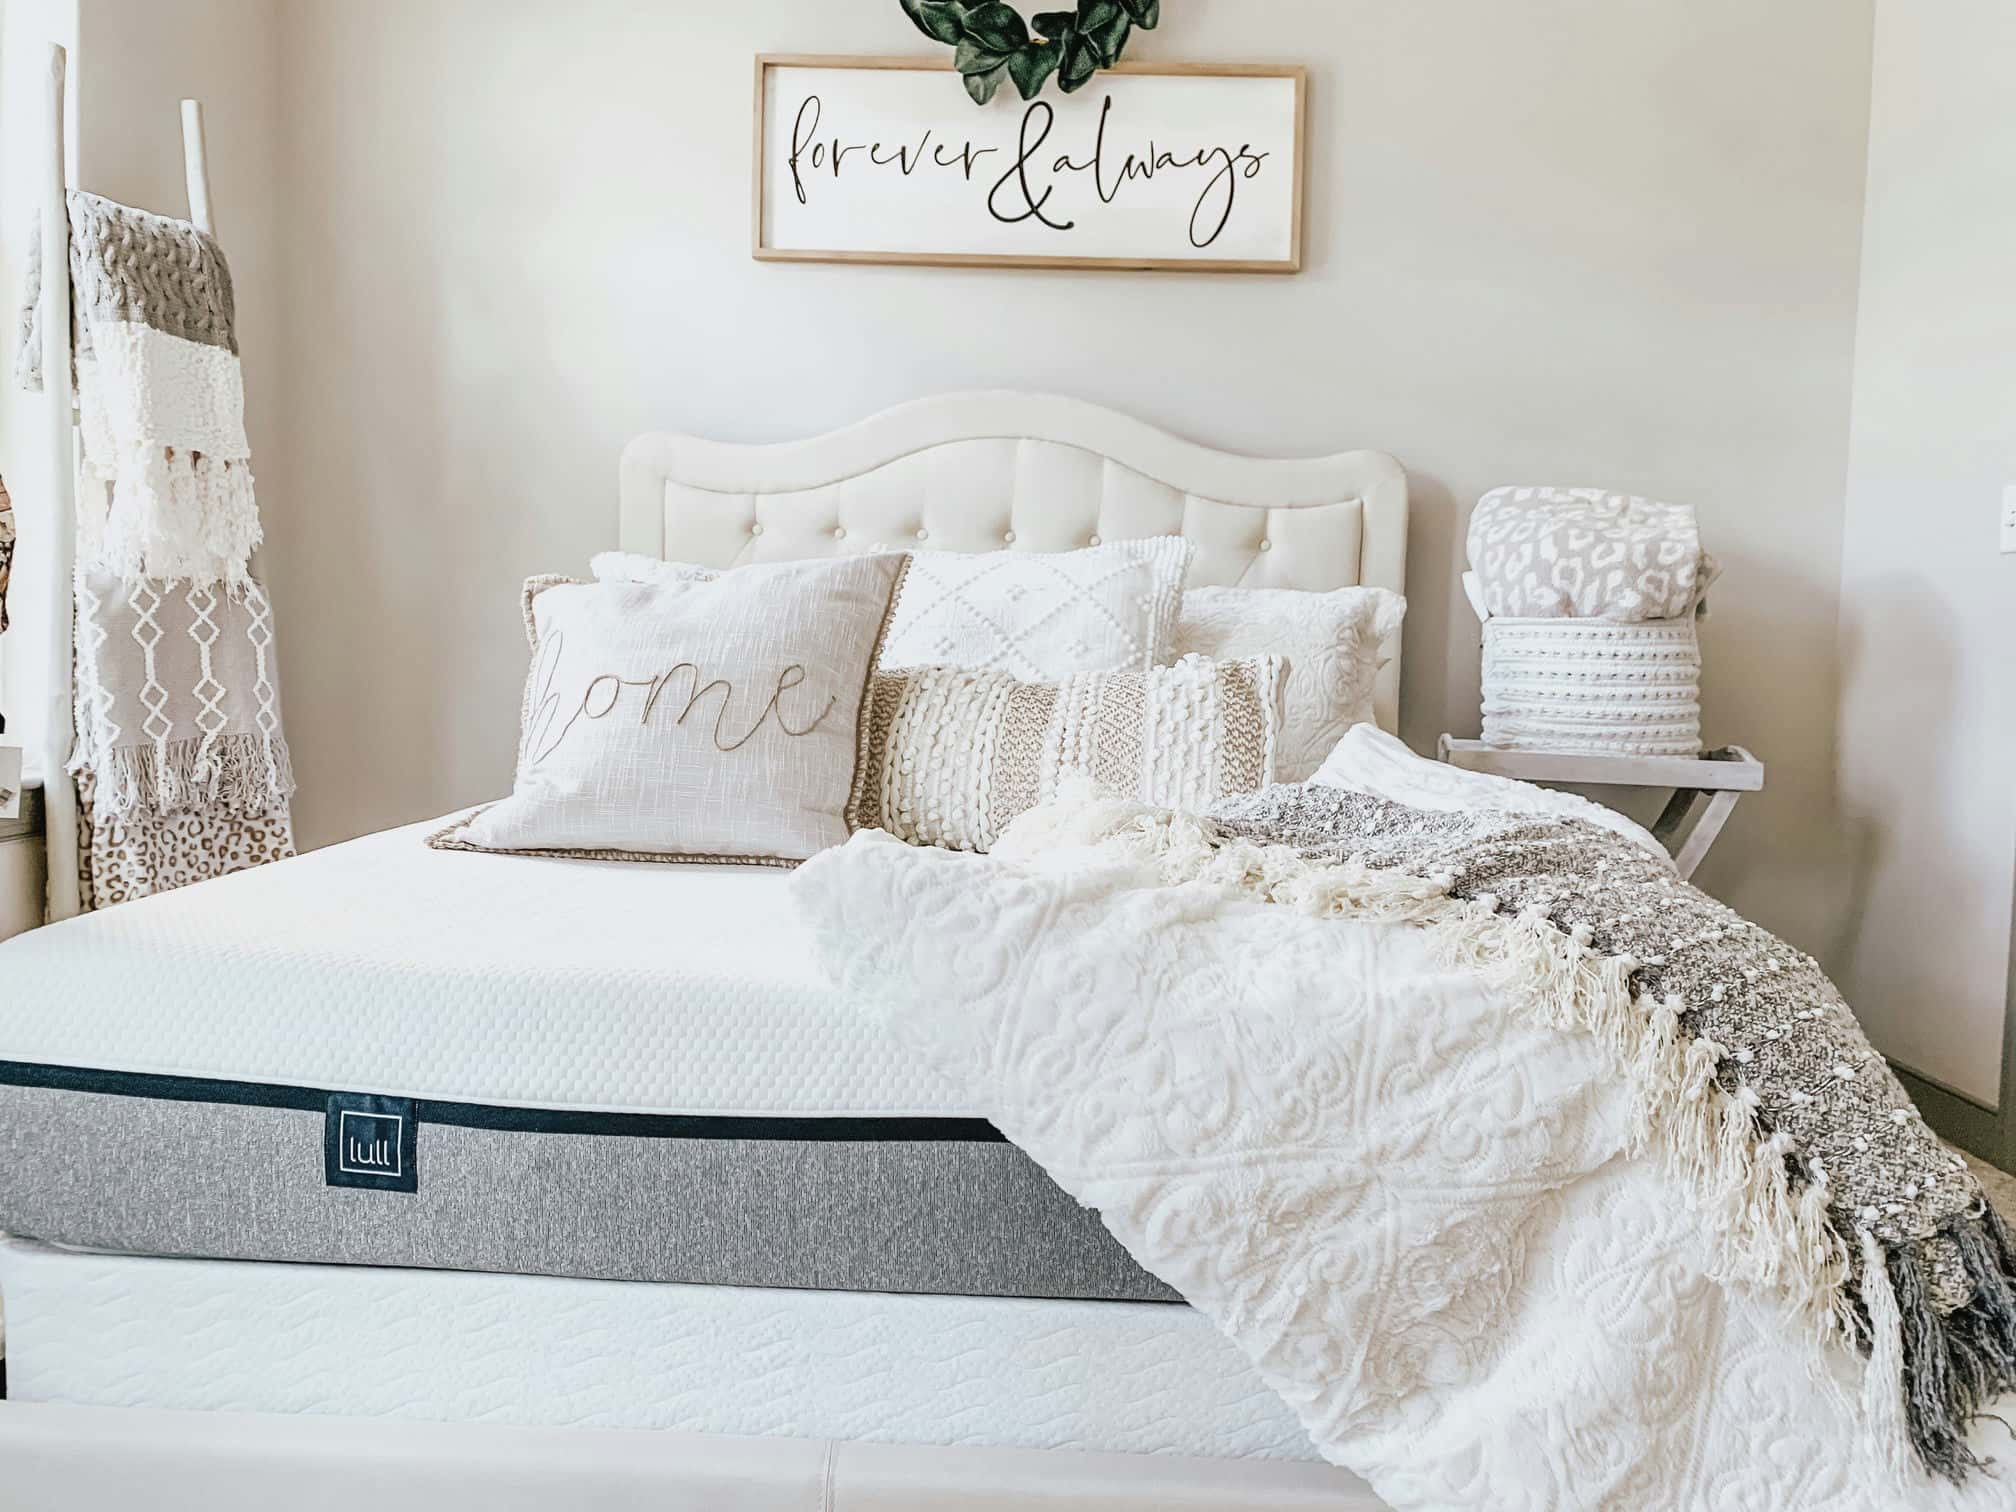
pixel 511 980
pixel 383 1054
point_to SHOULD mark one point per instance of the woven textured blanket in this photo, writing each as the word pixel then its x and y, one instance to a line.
pixel 160 397
pixel 1503 1215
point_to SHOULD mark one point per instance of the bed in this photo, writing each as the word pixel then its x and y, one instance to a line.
pixel 818 1280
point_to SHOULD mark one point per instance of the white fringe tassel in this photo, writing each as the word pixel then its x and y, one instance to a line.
pixel 245 774
pixel 176 516
pixel 1882 1399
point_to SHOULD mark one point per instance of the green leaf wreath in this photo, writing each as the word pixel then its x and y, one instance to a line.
pixel 991 42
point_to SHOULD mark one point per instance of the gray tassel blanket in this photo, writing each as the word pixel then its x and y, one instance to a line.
pixel 1805 1152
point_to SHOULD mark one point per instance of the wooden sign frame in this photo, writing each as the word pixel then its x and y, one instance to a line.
pixel 1292 263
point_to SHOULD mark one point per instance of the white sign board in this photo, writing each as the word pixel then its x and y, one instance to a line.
pixel 887 160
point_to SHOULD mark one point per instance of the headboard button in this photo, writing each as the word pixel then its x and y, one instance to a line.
pixel 1266 545
pixel 839 532
pixel 923 535
pixel 1008 537
pixel 1093 541
pixel 756 528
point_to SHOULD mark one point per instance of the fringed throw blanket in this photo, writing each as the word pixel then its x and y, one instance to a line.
pixel 182 770
pixel 1423 1111
pixel 160 397
pixel 178 701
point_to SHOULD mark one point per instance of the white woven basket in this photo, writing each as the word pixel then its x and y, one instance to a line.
pixel 1602 687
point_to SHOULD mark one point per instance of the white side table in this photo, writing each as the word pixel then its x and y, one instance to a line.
pixel 1687 826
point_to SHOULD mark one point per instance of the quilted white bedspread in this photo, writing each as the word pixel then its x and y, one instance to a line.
pixel 1417 1217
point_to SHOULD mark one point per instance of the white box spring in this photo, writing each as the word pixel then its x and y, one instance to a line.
pixel 98 1330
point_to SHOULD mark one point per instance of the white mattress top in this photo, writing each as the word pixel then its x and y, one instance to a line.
pixel 383 966
pixel 232 1335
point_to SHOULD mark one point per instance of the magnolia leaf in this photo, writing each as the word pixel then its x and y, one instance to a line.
pixel 1105 25
pixel 940 20
pixel 972 58
pixel 996 27
pixel 982 85
pixel 991 41
pixel 1030 66
pixel 1079 63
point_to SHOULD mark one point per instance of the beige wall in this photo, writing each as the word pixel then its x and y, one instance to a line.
pixel 1928 622
pixel 1611 241
pixel 139 59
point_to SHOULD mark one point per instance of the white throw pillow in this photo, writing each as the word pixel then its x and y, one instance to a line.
pixel 712 719
pixel 1037 615
pixel 1332 645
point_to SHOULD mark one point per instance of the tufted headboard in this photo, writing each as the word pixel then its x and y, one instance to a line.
pixel 1028 472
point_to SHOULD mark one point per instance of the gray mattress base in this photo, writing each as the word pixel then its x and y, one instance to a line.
pixel 238 1179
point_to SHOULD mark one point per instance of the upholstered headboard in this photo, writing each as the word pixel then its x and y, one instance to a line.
pixel 1028 472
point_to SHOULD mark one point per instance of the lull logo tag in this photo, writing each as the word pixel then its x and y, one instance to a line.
pixel 370 1142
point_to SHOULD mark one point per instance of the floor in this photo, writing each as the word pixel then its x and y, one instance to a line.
pixel 2001 1187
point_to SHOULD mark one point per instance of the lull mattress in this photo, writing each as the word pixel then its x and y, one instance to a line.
pixel 384 1054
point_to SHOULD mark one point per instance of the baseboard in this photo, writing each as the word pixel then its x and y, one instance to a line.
pixel 1960 1120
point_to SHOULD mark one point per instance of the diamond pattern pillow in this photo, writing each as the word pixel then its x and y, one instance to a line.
pixel 1041 615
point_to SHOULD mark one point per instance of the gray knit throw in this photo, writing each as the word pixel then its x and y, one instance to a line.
pixel 1778 1027
pixel 130 266
pixel 160 397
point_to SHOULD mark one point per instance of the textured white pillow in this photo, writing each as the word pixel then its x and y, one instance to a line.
pixel 1036 615
pixel 712 719
pixel 1331 642
pixel 955 754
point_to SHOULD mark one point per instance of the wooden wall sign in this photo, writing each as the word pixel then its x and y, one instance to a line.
pixel 885 160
